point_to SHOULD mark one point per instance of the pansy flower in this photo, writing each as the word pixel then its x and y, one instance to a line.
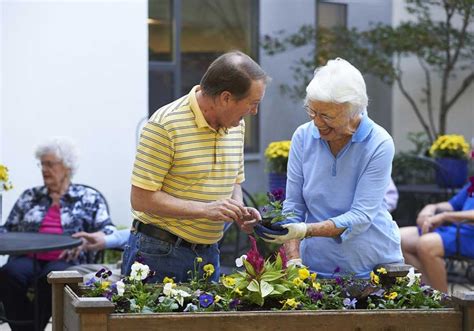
pixel 349 303
pixel 208 269
pixel 205 300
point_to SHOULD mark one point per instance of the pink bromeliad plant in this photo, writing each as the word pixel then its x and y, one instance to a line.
pixel 262 278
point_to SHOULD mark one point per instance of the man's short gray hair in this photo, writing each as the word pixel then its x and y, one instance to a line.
pixel 338 82
pixel 63 148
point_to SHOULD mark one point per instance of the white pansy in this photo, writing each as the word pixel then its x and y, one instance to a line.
pixel 412 276
pixel 168 290
pixel 180 295
pixel 120 287
pixel 190 307
pixel 139 271
pixel 239 262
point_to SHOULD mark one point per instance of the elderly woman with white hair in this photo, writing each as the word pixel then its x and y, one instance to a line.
pixel 338 172
pixel 57 207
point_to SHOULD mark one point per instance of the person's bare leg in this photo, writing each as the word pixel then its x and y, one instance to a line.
pixel 431 254
pixel 410 237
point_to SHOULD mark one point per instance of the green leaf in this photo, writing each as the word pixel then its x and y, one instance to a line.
pixel 265 288
pixel 254 286
pixel 272 275
pixel 279 289
pixel 249 268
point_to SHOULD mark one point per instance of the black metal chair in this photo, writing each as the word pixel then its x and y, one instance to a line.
pixel 415 178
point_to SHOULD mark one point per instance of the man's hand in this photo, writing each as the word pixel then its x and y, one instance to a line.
pixel 92 241
pixel 295 231
pixel 225 210
pixel 250 220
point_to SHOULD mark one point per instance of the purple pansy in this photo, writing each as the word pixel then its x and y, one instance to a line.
pixel 234 303
pixel 314 295
pixel 348 303
pixel 205 300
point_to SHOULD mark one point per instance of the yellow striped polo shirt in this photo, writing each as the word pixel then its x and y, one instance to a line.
pixel 180 154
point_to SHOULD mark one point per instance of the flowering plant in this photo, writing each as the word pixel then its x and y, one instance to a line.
pixel 277 156
pixel 450 146
pixel 5 185
pixel 262 284
pixel 273 211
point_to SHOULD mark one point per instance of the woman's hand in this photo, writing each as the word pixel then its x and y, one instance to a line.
pixel 295 231
pixel 72 254
pixel 433 222
pixel 427 212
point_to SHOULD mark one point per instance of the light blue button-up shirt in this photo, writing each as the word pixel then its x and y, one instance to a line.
pixel 349 190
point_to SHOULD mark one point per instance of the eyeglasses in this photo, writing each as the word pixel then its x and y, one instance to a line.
pixel 47 164
pixel 313 113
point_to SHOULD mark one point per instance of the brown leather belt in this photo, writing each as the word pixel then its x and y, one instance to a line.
pixel 160 234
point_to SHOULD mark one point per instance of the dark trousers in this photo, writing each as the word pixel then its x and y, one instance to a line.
pixel 15 278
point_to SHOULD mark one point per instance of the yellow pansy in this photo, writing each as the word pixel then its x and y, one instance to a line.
pixel 104 285
pixel 313 276
pixel 238 291
pixel 382 271
pixel 297 281
pixel 228 281
pixel 303 273
pixel 317 286
pixel 391 295
pixel 199 259
pixel 168 280
pixel 374 278
pixel 217 298
pixel 208 269
pixel 3 173
pixel 290 303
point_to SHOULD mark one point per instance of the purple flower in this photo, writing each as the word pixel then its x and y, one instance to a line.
pixel 314 295
pixel 91 281
pixel 378 293
pixel 234 303
pixel 348 303
pixel 338 269
pixel 277 195
pixel 205 300
pixel 339 281
pixel 100 272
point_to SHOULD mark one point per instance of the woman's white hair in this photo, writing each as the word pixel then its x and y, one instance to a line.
pixel 63 148
pixel 338 82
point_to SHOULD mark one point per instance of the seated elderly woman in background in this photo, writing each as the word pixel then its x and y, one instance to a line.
pixel 425 245
pixel 338 172
pixel 58 207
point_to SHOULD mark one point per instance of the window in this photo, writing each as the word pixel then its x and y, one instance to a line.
pixel 331 15
pixel 185 36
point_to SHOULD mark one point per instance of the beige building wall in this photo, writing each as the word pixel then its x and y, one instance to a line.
pixel 460 117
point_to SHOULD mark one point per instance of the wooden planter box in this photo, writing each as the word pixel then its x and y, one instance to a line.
pixel 71 312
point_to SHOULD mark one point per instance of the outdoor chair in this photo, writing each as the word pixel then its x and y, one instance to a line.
pixel 460 268
pixel 415 178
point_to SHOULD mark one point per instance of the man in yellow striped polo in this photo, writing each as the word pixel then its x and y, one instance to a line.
pixel 188 170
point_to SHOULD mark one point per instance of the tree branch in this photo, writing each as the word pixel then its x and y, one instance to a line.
pixel 465 84
pixel 427 90
pixel 411 101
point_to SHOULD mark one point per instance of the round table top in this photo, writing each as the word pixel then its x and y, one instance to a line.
pixel 17 243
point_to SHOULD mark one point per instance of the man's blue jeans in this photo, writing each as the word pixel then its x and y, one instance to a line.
pixel 168 260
